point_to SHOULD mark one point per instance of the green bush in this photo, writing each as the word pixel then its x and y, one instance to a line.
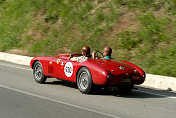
pixel 48 27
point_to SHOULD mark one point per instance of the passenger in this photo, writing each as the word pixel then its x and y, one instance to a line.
pixel 85 55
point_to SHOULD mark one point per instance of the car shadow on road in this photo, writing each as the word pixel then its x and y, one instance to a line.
pixel 63 83
pixel 142 93
pixel 139 92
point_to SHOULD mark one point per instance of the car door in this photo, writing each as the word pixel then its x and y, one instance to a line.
pixel 67 70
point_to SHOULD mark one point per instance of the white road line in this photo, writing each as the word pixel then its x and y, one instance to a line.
pixel 53 100
pixel 15 67
pixel 155 94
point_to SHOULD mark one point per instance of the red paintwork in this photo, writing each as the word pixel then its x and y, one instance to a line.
pixel 99 69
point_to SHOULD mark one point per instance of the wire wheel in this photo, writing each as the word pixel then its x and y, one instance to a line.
pixel 38 73
pixel 84 80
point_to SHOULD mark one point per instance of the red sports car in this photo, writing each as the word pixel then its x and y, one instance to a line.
pixel 87 74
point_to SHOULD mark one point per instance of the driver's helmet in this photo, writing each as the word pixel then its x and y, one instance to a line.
pixel 107 51
pixel 86 51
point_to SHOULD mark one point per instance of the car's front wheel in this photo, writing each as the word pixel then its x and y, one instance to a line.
pixel 38 73
pixel 84 81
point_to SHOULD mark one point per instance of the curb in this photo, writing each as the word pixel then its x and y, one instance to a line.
pixel 154 81
pixel 18 59
pixel 160 82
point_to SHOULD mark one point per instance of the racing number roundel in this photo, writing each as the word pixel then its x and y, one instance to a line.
pixel 68 69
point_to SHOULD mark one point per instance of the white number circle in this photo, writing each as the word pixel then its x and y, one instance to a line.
pixel 68 69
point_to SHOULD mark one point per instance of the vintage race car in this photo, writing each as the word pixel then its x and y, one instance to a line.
pixel 87 74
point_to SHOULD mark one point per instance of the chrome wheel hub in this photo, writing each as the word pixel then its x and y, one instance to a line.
pixel 38 72
pixel 83 80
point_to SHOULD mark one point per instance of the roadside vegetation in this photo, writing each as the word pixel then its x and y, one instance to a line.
pixel 140 31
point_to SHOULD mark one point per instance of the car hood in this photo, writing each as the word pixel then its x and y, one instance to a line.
pixel 113 66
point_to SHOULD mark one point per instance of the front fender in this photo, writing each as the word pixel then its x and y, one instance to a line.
pixel 42 61
pixel 32 62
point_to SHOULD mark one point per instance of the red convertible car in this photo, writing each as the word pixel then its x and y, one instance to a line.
pixel 87 74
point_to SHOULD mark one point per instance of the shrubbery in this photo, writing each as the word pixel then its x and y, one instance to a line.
pixel 46 27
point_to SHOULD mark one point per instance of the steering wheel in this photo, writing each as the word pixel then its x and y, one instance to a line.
pixel 99 55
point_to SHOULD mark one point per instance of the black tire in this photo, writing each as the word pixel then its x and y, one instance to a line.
pixel 38 73
pixel 125 89
pixel 84 81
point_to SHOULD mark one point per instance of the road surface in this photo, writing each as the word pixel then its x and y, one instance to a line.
pixel 22 97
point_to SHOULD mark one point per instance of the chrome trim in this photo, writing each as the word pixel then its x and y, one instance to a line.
pixel 121 67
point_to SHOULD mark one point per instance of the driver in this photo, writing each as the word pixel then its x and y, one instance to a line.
pixel 106 53
pixel 85 55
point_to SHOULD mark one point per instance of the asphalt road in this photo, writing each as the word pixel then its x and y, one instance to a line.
pixel 22 97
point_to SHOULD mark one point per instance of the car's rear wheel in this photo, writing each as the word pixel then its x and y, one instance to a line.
pixel 84 81
pixel 38 73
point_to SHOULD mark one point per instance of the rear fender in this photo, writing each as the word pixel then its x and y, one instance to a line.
pixel 141 72
pixel 98 73
pixel 135 67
